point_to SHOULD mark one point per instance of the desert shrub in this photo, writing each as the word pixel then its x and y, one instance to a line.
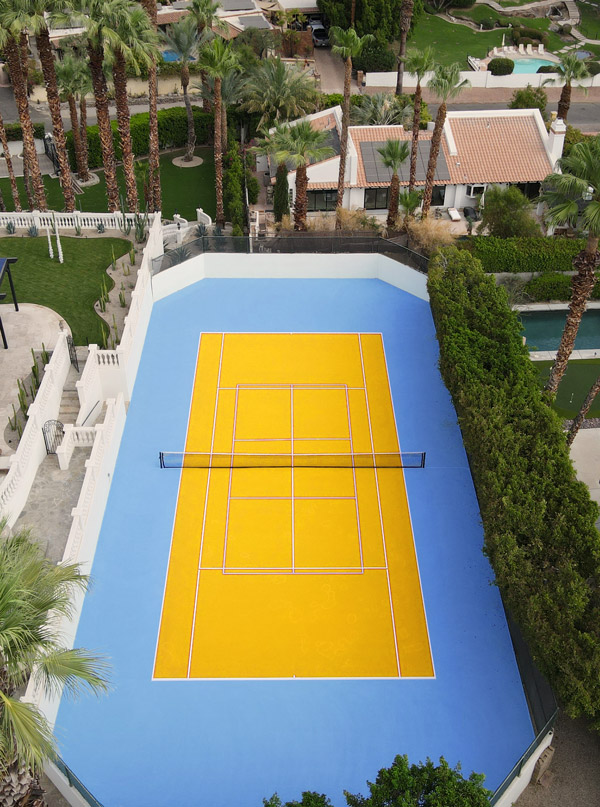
pixel 501 66
pixel 428 235
pixel 376 56
pixel 525 254
pixel 530 98
pixel 551 286
pixel 538 519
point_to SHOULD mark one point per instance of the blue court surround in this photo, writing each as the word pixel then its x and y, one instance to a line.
pixel 228 744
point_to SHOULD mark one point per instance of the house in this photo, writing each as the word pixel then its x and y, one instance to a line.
pixel 479 148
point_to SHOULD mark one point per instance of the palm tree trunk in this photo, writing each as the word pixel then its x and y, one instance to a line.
pixel 27 183
pixel 585 408
pixel 401 55
pixel 219 155
pixel 436 140
pixel 564 102
pixel 96 56
pixel 205 99
pixel 80 157
pixel 9 167
pixel 582 286
pixel 154 154
pixel 47 59
pixel 83 127
pixel 352 13
pixel 414 148
pixel 343 143
pixel 393 201
pixel 120 82
pixel 191 138
pixel 224 132
pixel 11 51
pixel 301 203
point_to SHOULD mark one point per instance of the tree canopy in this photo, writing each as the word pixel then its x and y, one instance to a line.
pixel 507 214
pixel 379 17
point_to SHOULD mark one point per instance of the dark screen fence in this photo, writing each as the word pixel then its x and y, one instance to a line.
pixel 190 459
pixel 327 243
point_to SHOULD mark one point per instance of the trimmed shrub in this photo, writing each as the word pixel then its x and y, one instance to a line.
pixel 566 29
pixel 546 68
pixel 376 56
pixel 593 68
pixel 253 186
pixel 501 66
pixel 538 519
pixel 14 131
pixel 487 23
pixel 551 286
pixel 525 254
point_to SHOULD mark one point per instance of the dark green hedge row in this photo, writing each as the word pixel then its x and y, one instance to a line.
pixel 14 132
pixel 172 133
pixel 538 519
pixel 554 286
pixel 524 254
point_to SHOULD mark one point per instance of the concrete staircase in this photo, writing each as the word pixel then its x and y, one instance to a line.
pixel 69 404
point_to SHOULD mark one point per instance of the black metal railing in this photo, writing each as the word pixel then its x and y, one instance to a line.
pixel 76 783
pixel 294 243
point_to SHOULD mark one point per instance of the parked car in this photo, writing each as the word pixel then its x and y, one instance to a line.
pixel 320 37
pixel 471 213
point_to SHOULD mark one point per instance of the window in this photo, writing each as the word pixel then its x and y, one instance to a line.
pixel 376 198
pixel 321 200
pixel 438 195
pixel 475 190
pixel 530 189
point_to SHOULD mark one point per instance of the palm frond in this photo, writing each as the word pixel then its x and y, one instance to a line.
pixel 76 670
pixel 26 733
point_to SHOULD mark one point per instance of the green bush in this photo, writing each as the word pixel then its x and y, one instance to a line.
pixel 327 100
pixel 14 131
pixel 501 66
pixel 539 521
pixel 233 193
pixel 253 186
pixel 551 286
pixel 593 68
pixel 572 137
pixel 546 68
pixel 487 23
pixel 376 56
pixel 525 254
pixel 566 29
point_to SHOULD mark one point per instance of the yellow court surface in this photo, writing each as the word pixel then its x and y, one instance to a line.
pixel 284 572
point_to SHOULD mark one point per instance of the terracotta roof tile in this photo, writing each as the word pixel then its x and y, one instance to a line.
pixel 497 149
pixel 171 16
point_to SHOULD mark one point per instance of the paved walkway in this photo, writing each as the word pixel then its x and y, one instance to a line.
pixel 25 329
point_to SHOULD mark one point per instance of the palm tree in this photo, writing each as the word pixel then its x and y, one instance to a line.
pixel 218 60
pixel 137 46
pixel 299 145
pixel 32 589
pixel 182 38
pixel 10 42
pixel 446 84
pixel 419 63
pixel 154 153
pixel 575 189
pixel 406 15
pixel 408 203
pixel 570 69
pixel 348 45
pixel 380 109
pixel 278 93
pixel 9 167
pixel 393 154
pixel 207 20
pixel 68 75
pixel 30 15
pixel 232 92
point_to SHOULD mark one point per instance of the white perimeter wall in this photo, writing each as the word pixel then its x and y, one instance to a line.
pixel 483 78
pixel 308 266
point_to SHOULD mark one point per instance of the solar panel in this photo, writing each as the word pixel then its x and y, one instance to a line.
pixel 375 170
pixel 236 5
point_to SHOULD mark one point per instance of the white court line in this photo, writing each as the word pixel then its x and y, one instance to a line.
pixel 379 505
pixel 212 446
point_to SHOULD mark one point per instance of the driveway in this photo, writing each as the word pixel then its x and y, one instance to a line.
pixel 331 69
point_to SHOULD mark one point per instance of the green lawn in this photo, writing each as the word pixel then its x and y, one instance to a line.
pixel 575 385
pixel 590 21
pixel 481 12
pixel 453 43
pixel 183 189
pixel 71 288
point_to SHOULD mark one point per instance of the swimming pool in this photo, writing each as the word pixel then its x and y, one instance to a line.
pixel 526 64
pixel 171 56
pixel 543 330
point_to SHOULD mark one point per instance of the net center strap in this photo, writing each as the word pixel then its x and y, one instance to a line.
pixel 394 459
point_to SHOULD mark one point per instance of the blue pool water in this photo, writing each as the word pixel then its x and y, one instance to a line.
pixel 221 743
pixel 543 330
pixel 171 56
pixel 529 65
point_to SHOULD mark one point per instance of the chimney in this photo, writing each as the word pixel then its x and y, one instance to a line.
pixel 556 140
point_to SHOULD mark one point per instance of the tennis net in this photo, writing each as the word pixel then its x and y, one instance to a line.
pixel 187 459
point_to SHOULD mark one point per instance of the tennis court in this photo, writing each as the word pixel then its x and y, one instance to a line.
pixel 328 546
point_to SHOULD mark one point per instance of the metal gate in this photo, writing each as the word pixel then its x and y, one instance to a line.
pixel 72 353
pixel 53 431
pixel 51 152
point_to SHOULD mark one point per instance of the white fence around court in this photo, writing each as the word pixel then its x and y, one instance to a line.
pixel 482 78
pixel 25 462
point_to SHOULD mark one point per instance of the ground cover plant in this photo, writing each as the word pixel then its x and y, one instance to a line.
pixel 574 386
pixel 71 288
pixel 183 189
pixel 539 521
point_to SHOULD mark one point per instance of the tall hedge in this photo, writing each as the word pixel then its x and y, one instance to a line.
pixel 14 131
pixel 172 133
pixel 538 519
pixel 525 254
